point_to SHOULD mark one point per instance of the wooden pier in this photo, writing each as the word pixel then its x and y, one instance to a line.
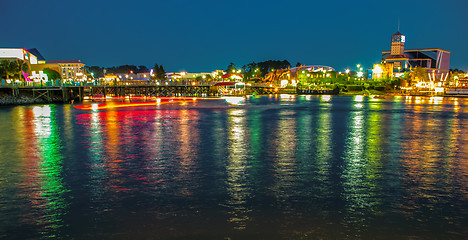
pixel 66 94
pixel 26 94
pixel 150 90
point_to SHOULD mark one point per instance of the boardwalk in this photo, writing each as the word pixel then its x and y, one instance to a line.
pixel 65 94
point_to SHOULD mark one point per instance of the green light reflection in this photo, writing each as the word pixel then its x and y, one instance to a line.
pixel 52 194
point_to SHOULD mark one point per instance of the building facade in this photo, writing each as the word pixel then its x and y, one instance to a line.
pixel 435 61
pixel 18 53
pixel 69 70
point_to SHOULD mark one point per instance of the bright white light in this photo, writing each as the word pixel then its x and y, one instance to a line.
pixel 284 83
pixel 326 98
pixel 43 111
pixel 377 69
pixel 286 96
pixel 439 89
pixel 234 100
pixel 358 98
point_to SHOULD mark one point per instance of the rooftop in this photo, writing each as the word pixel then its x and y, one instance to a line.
pixel 64 61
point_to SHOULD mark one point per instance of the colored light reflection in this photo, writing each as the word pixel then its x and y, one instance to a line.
pixel 48 190
pixel 326 98
pixel 103 106
pixel 234 100
pixel 359 181
pixel 236 169
pixel 359 98
pixel 324 169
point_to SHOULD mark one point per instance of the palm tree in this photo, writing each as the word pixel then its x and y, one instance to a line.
pixel 21 66
pixel 8 68
pixel 4 66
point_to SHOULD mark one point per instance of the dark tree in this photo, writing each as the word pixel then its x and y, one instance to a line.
pixel 252 66
pixel 95 70
pixel 142 69
pixel 231 68
pixel 158 72
pixel 155 72
pixel 161 73
pixel 270 65
pixel 298 64
pixel 7 68
pixel 456 70
pixel 52 74
pixel 123 69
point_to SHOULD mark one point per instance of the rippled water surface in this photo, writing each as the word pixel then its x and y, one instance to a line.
pixel 273 167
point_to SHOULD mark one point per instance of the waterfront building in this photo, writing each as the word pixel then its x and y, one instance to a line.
pixel 313 68
pixel 134 76
pixel 69 70
pixel 462 80
pixel 18 54
pixel 35 52
pixel 192 77
pixel 435 61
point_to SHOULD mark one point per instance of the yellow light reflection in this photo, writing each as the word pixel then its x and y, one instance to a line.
pixel 236 168
pixel 326 98
pixel 188 143
pixel 358 105
pixel 437 100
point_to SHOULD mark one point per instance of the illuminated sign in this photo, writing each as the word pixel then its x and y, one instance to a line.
pixel 41 76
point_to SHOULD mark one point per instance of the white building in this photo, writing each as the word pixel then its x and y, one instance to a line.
pixel 17 53
pixel 70 70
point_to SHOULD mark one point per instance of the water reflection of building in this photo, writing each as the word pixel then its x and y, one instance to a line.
pixel 432 150
pixel 236 169
pixel 45 187
pixel 188 144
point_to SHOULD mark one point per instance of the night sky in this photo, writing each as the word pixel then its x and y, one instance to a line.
pixel 204 35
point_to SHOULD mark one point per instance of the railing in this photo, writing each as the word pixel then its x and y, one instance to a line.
pixel 58 83
pixel 4 83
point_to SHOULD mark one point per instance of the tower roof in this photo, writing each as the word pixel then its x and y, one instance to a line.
pixel 397 33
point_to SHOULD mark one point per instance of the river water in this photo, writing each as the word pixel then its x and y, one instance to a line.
pixel 269 167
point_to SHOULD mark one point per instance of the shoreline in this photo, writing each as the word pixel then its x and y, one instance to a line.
pixel 8 101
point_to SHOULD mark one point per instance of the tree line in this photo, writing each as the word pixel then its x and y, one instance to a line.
pixel 13 68
pixel 259 69
pixel 97 71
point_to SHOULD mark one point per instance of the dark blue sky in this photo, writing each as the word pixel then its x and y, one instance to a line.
pixel 205 35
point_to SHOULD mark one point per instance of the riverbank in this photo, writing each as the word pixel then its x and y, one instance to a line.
pixel 9 100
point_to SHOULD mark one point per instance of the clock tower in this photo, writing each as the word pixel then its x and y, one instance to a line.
pixel 398 44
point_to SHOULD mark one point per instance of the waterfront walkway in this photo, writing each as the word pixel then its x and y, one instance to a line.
pixel 33 93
